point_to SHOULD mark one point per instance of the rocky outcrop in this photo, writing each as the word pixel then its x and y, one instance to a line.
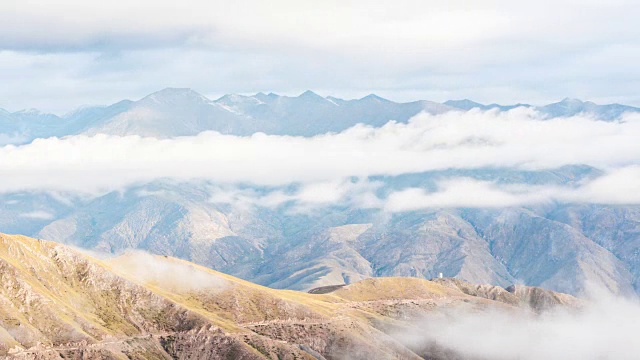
pixel 534 298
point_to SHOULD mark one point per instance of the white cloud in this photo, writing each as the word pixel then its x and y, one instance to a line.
pixel 517 139
pixel 620 187
pixel 355 193
pixel 464 192
pixel 494 50
pixel 168 273
pixel 355 26
pixel 38 214
pixel 605 328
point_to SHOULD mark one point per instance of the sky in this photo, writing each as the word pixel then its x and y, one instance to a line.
pixel 58 55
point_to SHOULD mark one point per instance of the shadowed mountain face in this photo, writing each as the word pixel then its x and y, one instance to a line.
pixel 178 112
pixel 56 302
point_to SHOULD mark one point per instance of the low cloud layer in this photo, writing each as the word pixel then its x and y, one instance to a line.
pixel 605 329
pixel 620 187
pixel 171 274
pixel 347 192
pixel 38 214
pixel 517 139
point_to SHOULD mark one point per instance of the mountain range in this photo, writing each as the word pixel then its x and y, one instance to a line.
pixel 59 303
pixel 559 246
pixel 179 112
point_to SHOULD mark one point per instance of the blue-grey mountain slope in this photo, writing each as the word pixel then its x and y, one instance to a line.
pixel 560 246
pixel 179 112
pixel 566 107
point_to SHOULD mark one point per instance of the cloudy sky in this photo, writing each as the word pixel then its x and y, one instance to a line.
pixel 56 55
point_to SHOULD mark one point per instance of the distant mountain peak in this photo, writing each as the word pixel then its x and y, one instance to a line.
pixel 174 91
pixel 82 110
pixel 514 105
pixel 571 106
pixel 374 97
pixel 569 100
pixel 33 114
pixel 236 99
pixel 169 95
pixel 266 97
pixel 310 95
pixel 233 97
pixel 464 104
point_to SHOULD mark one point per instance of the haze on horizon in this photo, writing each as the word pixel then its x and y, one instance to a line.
pixel 59 55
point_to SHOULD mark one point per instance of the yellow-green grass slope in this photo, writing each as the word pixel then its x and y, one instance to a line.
pixel 58 302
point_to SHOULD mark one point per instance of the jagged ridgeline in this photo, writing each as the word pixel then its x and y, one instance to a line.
pixel 256 227
pixel 178 112
pixel 56 302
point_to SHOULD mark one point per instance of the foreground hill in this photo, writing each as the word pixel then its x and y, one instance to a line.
pixel 56 302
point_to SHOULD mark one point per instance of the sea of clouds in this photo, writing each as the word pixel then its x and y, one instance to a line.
pixel 324 167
